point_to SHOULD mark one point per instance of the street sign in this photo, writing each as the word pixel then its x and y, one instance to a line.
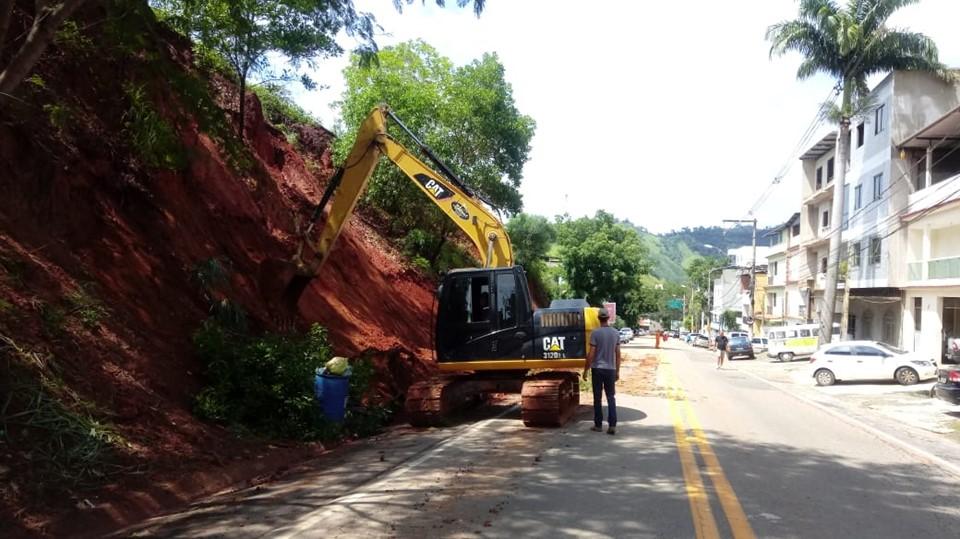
pixel 675 304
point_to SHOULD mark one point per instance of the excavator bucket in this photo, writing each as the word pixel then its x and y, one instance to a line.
pixel 282 279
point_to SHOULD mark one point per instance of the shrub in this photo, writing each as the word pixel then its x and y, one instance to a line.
pixel 68 447
pixel 86 307
pixel 262 384
pixel 149 133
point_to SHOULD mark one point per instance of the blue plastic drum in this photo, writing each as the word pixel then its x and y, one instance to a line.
pixel 332 393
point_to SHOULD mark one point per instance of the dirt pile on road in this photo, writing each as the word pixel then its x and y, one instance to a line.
pixel 122 178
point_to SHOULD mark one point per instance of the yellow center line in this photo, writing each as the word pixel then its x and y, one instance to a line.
pixel 736 517
pixel 704 525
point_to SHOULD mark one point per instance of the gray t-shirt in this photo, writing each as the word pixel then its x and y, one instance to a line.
pixel 605 340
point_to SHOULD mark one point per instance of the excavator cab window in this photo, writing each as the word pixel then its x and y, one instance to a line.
pixel 482 315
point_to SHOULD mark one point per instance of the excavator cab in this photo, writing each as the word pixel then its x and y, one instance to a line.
pixel 484 314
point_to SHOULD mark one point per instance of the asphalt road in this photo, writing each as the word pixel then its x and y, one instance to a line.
pixel 708 454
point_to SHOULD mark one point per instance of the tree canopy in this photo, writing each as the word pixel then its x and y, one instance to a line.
pixel 245 31
pixel 465 114
pixel 604 261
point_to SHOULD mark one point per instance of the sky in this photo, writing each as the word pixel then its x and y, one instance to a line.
pixel 669 114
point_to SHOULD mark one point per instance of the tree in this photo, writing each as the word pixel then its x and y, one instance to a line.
pixel 47 17
pixel 729 320
pixel 465 114
pixel 245 31
pixel 849 43
pixel 604 261
pixel 531 237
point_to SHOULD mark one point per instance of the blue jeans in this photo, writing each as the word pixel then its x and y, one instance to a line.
pixel 603 380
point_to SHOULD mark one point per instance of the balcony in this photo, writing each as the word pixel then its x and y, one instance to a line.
pixel 822 194
pixel 934 269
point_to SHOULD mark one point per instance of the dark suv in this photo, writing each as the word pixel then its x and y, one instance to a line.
pixel 948 384
pixel 740 347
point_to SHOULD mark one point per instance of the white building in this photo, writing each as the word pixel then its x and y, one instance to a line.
pixel 877 190
pixel 930 231
pixel 731 289
pixel 784 304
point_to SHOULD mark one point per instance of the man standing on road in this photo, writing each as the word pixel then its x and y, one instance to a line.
pixel 721 348
pixel 603 360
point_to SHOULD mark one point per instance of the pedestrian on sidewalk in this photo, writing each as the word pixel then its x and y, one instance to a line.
pixel 603 360
pixel 721 348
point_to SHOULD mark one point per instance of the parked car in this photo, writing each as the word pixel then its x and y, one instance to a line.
pixel 626 335
pixel 948 384
pixel 689 337
pixel 702 341
pixel 760 344
pixel 868 360
pixel 740 347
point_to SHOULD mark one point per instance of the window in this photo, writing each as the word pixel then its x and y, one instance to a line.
pixel 842 350
pixel 804 332
pixel 877 186
pixel 825 221
pixel 858 197
pixel 868 351
pixel 469 299
pixel 860 135
pixel 874 250
pixel 506 300
pixel 823 265
pixel 852 324
pixel 878 120
pixel 796 229
pixel 819 177
pixel 773 300
pixel 917 313
pixel 829 170
pixel 855 254
pixel 773 269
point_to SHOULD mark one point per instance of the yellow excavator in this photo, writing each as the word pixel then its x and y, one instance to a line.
pixel 488 336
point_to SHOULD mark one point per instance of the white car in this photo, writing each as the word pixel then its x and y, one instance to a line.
pixel 868 360
pixel 626 335
pixel 760 344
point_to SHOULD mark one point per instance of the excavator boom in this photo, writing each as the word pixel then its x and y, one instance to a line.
pixel 449 194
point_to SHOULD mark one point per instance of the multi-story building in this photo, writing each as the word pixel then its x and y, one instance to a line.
pixel 784 305
pixel 732 287
pixel 930 231
pixel 877 189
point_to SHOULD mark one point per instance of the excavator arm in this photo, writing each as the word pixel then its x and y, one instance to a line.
pixel 457 201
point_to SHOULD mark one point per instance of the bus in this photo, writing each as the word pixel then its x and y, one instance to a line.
pixel 788 342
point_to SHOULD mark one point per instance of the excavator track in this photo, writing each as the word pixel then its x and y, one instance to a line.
pixel 430 403
pixel 550 399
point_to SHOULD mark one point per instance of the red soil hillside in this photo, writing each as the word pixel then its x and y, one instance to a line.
pixel 86 217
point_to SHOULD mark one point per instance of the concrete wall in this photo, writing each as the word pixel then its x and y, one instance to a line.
pixel 919 100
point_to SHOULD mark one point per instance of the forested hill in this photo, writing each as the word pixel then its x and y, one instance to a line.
pixel 670 252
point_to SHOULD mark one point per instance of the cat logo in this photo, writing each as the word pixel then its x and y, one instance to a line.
pixel 553 347
pixel 460 211
pixel 433 187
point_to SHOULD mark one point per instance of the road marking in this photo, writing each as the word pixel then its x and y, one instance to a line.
pixel 312 521
pixel 681 410
pixel 736 517
pixel 704 525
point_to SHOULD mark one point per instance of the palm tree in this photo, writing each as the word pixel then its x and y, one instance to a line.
pixel 849 43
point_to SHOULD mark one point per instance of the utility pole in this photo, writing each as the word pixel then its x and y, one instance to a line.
pixel 753 263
